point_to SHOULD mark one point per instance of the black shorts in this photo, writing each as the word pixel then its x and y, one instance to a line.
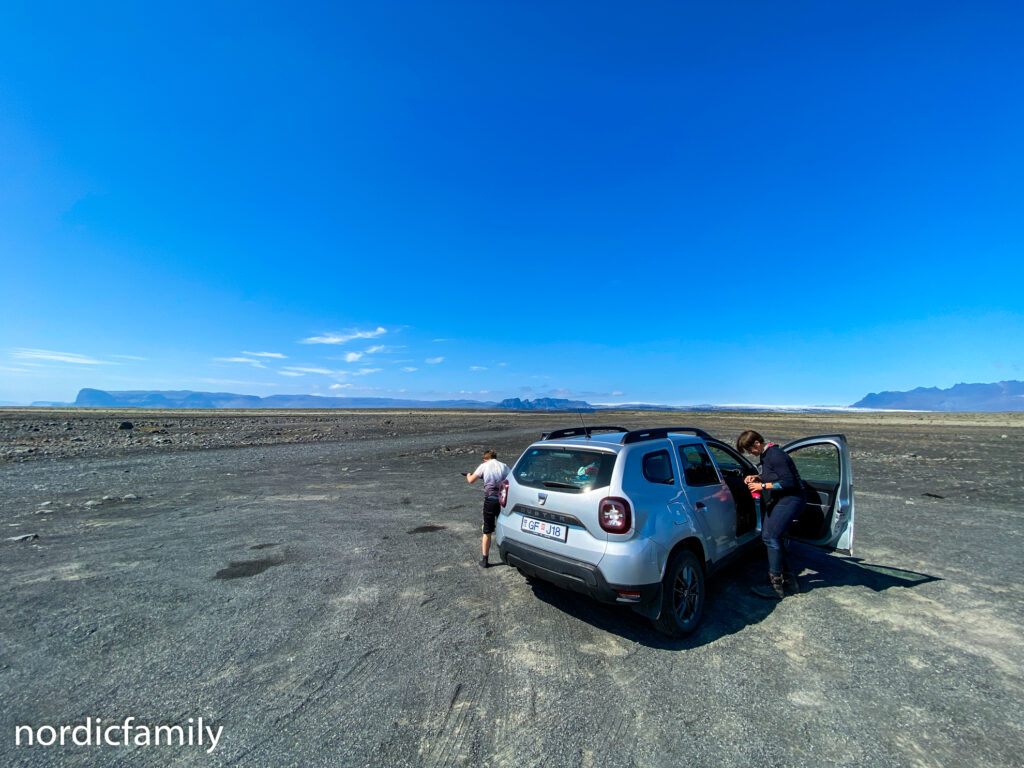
pixel 491 509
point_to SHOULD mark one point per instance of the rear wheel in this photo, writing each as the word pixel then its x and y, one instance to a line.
pixel 682 595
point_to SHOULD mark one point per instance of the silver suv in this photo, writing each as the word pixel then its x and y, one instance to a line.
pixel 641 517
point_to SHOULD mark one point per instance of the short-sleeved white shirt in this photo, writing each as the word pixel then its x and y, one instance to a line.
pixel 493 472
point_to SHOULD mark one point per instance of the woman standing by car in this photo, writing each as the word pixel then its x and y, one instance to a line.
pixel 778 474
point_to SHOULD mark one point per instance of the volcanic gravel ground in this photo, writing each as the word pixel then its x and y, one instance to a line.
pixel 308 581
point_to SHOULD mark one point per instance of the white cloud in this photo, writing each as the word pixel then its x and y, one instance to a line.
pixel 129 357
pixel 409 369
pixel 436 340
pixel 308 370
pixel 341 338
pixel 57 357
pixel 434 360
pixel 249 360
pixel 477 368
pixel 235 381
pixel 376 349
pixel 16 370
pixel 351 357
pixel 291 373
pixel 277 355
pixel 365 371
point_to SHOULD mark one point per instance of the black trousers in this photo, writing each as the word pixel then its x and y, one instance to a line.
pixel 773 531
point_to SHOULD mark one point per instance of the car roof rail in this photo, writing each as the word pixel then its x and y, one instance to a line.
pixel 577 431
pixel 654 433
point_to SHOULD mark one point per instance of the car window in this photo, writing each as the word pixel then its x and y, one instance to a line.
pixel 728 462
pixel 697 467
pixel 564 469
pixel 817 463
pixel 658 467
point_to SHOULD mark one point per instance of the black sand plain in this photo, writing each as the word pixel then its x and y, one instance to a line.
pixel 308 581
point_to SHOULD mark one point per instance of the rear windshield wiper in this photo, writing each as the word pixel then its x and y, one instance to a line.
pixel 555 484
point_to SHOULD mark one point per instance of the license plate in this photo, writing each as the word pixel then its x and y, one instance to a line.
pixel 545 528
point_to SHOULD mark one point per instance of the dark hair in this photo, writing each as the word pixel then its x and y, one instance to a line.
pixel 747 439
pixel 488 455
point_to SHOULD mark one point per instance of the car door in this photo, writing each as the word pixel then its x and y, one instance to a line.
pixel 710 497
pixel 733 468
pixel 823 462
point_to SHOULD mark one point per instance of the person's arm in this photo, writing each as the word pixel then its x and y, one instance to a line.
pixel 471 478
pixel 777 476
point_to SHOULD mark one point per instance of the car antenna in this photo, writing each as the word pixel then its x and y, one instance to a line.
pixel 586 430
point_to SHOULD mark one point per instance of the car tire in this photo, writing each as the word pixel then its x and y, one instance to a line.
pixel 682 596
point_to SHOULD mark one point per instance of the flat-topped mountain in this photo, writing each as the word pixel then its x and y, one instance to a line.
pixel 98 398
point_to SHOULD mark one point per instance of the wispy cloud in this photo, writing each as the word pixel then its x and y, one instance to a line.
pixel 436 340
pixel 241 383
pixel 478 367
pixel 341 338
pixel 276 355
pixel 409 368
pixel 291 373
pixel 351 357
pixel 434 360
pixel 298 369
pixel 365 371
pixel 249 360
pixel 16 370
pixel 57 357
pixel 340 386
pixel 129 357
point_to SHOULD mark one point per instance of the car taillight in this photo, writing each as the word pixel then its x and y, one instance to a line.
pixel 614 515
pixel 503 494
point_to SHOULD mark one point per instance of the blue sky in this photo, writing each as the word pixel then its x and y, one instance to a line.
pixel 735 202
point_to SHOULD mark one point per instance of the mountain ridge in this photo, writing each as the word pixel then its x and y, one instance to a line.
pixel 98 398
pixel 1000 396
pixel 995 397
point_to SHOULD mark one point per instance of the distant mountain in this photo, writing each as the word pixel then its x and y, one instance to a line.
pixel 98 398
pixel 545 404
pixel 1001 396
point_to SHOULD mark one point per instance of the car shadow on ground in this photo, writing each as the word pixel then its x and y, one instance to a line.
pixel 730 606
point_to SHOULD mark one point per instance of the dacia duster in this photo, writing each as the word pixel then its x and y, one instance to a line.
pixel 642 517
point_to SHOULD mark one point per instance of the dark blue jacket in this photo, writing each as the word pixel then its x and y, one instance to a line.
pixel 777 467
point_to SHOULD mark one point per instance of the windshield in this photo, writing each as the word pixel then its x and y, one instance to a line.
pixel 564 469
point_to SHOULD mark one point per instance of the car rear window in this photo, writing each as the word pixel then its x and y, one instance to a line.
pixel 564 469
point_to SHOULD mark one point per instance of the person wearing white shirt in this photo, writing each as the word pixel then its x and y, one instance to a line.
pixel 493 473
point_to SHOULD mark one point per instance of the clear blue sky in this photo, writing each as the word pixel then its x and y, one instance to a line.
pixel 674 202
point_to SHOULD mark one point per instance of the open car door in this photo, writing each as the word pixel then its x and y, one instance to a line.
pixel 823 462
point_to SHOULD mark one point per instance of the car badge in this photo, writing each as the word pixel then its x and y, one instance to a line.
pixel 541 498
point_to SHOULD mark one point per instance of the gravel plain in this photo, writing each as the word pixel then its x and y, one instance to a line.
pixel 307 581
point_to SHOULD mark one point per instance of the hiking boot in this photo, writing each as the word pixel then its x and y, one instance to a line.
pixel 774 589
pixel 790 584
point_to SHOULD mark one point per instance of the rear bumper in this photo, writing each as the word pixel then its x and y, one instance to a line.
pixel 567 573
